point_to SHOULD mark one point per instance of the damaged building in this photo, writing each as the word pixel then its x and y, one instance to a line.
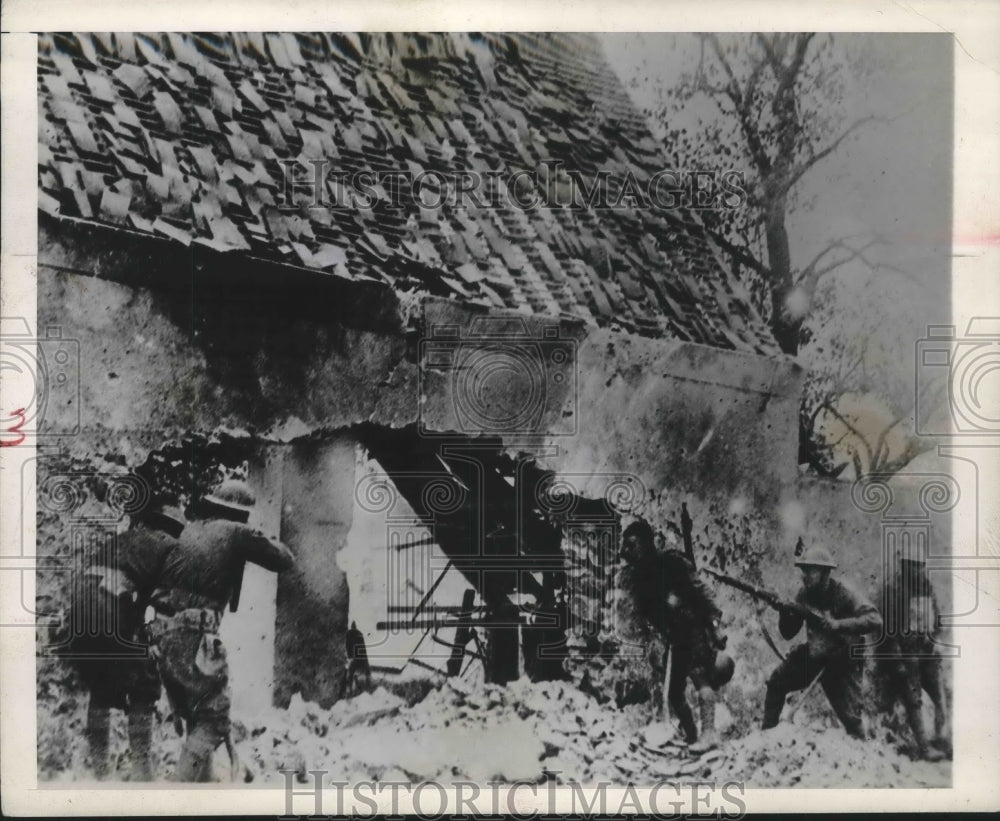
pixel 499 389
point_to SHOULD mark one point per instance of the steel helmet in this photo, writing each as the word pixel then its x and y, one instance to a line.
pixel 816 557
pixel 233 494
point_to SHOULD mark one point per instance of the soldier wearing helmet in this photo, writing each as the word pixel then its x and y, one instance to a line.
pixel 910 612
pixel 843 616
pixel 107 645
pixel 199 577
pixel 678 607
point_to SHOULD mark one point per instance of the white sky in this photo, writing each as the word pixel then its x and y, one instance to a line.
pixel 895 179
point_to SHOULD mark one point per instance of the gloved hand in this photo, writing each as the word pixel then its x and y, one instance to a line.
pixel 785 607
pixel 717 639
pixel 828 623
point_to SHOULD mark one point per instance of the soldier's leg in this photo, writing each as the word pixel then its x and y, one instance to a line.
pixel 841 681
pixel 706 703
pixel 143 694
pixel 99 734
pixel 932 680
pixel 888 679
pixel 140 741
pixel 794 673
pixel 676 687
pixel 195 761
pixel 201 683
pixel 657 654
pixel 908 673
pixel 102 679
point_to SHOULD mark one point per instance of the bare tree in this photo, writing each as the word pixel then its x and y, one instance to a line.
pixel 774 104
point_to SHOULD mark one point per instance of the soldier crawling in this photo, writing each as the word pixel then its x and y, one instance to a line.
pixel 910 612
pixel 675 602
pixel 835 613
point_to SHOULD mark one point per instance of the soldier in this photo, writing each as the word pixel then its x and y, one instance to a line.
pixel 910 613
pixel 676 604
pixel 200 575
pixel 108 646
pixel 841 616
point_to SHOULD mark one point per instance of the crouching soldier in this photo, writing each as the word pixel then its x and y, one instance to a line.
pixel 836 616
pixel 200 576
pixel 107 644
pixel 677 605
pixel 910 611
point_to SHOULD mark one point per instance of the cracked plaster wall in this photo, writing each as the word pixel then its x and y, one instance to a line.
pixel 686 421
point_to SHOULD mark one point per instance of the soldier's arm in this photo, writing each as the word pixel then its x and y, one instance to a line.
pixel 865 618
pixel 935 625
pixel 271 555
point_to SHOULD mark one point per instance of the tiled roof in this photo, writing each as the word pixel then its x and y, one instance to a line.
pixel 184 136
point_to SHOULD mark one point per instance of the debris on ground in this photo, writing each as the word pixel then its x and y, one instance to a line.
pixel 532 731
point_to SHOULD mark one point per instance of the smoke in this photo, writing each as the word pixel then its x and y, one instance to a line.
pixel 793 521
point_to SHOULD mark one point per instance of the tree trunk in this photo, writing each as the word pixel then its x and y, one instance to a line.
pixel 784 328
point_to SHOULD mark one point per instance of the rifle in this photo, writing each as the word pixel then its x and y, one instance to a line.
pixel 772 600
pixel 686 533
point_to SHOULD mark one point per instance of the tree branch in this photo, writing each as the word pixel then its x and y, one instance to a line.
pixel 812 273
pixel 788 76
pixel 881 444
pixel 816 156
pixel 742 104
pixel 914 448
pixel 741 255
pixel 864 442
pixel 772 58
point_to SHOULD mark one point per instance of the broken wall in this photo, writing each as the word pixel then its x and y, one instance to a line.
pixel 675 420
pixel 313 595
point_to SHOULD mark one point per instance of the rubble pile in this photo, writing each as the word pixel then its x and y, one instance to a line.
pixel 461 730
pixel 551 730
pixel 789 756
pixel 481 732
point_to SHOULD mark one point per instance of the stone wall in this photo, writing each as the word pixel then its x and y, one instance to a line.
pixel 162 359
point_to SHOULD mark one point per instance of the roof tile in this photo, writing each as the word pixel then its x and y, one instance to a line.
pixel 213 135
